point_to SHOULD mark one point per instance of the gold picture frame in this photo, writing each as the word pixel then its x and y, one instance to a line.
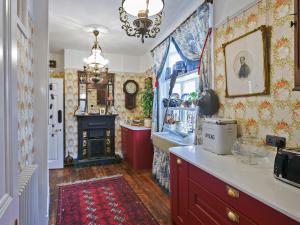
pixel 247 64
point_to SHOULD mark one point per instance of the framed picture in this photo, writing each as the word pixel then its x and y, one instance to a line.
pixel 246 64
pixel 102 111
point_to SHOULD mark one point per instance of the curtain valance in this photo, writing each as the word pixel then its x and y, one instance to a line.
pixel 188 39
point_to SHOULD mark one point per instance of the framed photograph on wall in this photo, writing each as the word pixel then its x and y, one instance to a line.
pixel 102 111
pixel 247 64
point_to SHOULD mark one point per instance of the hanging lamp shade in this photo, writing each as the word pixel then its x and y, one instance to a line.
pixel 95 62
pixel 134 7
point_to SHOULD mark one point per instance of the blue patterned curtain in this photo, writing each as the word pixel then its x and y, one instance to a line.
pixel 190 36
pixel 159 55
pixel 189 41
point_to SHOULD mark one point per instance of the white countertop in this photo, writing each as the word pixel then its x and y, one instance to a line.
pixel 134 127
pixel 256 181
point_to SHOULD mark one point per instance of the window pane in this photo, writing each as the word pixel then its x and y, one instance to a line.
pixel 177 89
pixel 189 86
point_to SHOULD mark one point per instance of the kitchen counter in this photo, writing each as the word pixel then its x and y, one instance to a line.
pixel 134 127
pixel 256 181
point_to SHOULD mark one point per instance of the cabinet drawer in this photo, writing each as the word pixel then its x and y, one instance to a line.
pixel 194 220
pixel 204 204
pixel 254 209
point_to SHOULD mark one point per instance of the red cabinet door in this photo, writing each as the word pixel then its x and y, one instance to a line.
pixel 142 150
pixel 179 190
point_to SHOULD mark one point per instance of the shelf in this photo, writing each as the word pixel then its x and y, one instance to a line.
pixel 183 108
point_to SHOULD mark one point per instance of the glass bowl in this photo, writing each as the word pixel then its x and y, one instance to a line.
pixel 250 150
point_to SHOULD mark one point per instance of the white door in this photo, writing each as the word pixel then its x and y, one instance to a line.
pixel 56 124
pixel 9 201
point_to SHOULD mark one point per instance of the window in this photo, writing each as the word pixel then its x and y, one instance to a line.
pixel 186 84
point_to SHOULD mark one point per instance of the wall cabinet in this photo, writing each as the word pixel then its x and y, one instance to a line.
pixel 137 148
pixel 297 45
pixel 198 198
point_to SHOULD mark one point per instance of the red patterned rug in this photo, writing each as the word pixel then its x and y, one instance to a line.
pixel 106 201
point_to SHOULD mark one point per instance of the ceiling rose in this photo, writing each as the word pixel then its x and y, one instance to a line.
pixel 100 28
pixel 143 26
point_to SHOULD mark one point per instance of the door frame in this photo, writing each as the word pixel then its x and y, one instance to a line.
pixel 9 203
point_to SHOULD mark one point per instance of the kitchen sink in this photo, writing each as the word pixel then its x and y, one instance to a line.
pixel 166 140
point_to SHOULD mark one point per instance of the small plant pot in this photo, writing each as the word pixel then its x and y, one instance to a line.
pixel 148 122
pixel 187 104
pixel 195 102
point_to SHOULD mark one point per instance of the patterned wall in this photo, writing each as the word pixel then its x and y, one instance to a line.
pixel 278 113
pixel 25 95
pixel 71 103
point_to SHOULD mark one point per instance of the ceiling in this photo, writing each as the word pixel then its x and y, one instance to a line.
pixel 68 18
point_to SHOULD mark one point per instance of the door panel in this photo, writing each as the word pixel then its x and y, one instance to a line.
pixel 179 190
pixel 9 202
pixel 53 154
pixel 56 124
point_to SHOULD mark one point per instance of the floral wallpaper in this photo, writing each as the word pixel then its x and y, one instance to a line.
pixel 279 112
pixel 25 96
pixel 71 104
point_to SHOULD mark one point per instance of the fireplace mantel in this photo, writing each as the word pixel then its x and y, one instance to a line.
pixel 96 139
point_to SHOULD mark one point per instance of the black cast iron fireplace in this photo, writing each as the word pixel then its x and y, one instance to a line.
pixel 96 139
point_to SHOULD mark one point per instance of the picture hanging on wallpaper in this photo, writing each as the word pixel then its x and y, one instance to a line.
pixel 246 64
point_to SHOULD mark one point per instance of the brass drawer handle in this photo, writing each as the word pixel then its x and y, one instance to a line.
pixel 231 192
pixel 233 217
pixel 179 161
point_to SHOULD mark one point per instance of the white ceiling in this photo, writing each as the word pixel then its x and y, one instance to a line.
pixel 68 17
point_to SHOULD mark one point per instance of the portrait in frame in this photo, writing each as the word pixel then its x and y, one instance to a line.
pixel 247 64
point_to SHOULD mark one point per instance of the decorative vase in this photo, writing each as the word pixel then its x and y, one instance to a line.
pixel 147 122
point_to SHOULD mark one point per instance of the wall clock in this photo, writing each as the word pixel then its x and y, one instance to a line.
pixel 130 89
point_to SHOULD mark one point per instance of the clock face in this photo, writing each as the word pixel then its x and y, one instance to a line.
pixel 131 88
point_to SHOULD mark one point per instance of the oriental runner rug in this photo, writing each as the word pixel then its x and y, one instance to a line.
pixel 105 201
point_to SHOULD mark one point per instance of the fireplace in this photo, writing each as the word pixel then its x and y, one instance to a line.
pixel 96 139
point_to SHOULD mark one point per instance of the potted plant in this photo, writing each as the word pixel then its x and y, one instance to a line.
pixel 187 100
pixel 147 103
pixel 194 97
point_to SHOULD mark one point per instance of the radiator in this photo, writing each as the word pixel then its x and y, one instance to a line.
pixel 28 196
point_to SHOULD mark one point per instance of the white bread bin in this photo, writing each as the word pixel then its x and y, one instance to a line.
pixel 219 135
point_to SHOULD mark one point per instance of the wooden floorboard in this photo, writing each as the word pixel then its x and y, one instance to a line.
pixel 141 182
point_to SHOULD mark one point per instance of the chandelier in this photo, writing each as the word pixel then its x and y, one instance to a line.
pixel 95 63
pixel 143 27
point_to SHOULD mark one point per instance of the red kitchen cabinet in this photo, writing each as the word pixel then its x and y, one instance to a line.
pixel 179 190
pixel 198 198
pixel 137 148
